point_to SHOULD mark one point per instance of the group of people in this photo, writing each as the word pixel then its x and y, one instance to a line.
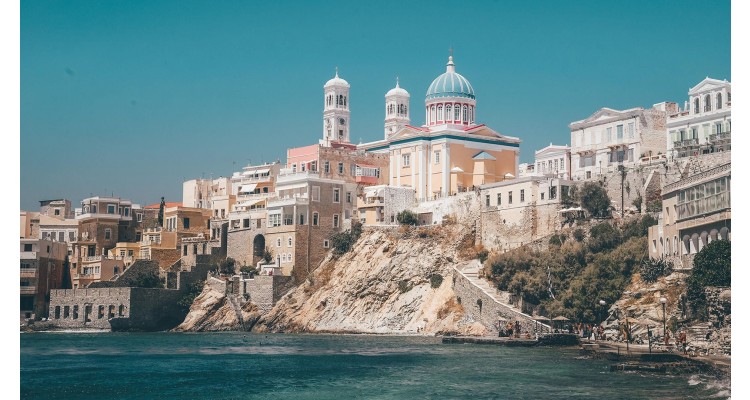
pixel 681 340
pixel 587 331
pixel 512 329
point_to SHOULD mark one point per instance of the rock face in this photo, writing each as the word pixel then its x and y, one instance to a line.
pixel 384 284
pixel 212 310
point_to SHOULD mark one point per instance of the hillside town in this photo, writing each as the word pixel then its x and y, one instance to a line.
pixel 255 234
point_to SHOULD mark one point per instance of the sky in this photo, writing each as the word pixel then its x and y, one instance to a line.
pixel 132 98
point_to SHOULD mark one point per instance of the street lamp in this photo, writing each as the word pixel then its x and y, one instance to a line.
pixel 663 302
pixel 601 311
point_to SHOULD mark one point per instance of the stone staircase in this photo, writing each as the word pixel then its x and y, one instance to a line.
pixel 237 307
pixel 470 272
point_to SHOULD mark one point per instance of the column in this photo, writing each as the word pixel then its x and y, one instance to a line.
pixel 429 170
pixel 397 154
pixel 420 191
pixel 446 172
pixel 413 166
pixel 390 167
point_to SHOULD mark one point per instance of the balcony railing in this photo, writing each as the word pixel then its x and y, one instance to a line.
pixel 705 205
pixel 28 272
pixel 28 289
pixel 686 143
pixel 722 136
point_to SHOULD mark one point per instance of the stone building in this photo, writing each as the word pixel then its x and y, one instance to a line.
pixel 553 160
pixel 43 267
pixel 379 205
pixel 519 211
pixel 696 210
pixel 705 124
pixel 306 211
pixel 609 138
pixel 162 243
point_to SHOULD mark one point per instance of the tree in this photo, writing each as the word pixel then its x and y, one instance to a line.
pixel 267 255
pixel 161 212
pixel 407 217
pixel 342 242
pixel 652 269
pixel 227 266
pixel 638 202
pixel 712 266
pixel 142 278
pixel 603 237
pixel 594 199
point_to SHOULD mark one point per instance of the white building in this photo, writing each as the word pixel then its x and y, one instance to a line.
pixel 609 138
pixel 704 125
pixel 525 169
pixel 380 205
pixel 213 194
pixel 553 160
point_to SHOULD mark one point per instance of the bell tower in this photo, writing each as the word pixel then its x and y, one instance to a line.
pixel 396 110
pixel 335 111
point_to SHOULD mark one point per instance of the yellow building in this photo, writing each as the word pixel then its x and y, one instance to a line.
pixel 450 153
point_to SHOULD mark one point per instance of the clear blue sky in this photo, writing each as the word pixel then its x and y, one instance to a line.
pixel 133 97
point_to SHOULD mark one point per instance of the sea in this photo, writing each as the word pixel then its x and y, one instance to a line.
pixel 238 365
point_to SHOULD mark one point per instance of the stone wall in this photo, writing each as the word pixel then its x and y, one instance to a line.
pixel 265 291
pixel 76 302
pixel 510 228
pixel 240 244
pixel 464 207
pixel 490 311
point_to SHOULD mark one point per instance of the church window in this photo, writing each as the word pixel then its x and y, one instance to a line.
pixel 440 112
pixel 457 112
pixel 405 110
pixel 718 104
pixel 432 113
pixel 465 114
pixel 697 106
pixel 471 115
pixel 405 159
pixel 448 111
pixel 344 101
pixel 707 102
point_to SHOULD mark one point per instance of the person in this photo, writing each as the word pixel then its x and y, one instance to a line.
pixel 683 341
pixel 666 338
pixel 526 335
pixel 518 329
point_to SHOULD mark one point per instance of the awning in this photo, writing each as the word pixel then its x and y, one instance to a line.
pixel 456 169
pixel 570 209
pixel 257 171
pixel 249 188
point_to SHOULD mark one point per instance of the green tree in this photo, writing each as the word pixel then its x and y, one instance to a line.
pixel 712 266
pixel 161 212
pixel 652 269
pixel 342 242
pixel 594 199
pixel 226 267
pixel 603 237
pixel 267 255
pixel 142 278
pixel 407 217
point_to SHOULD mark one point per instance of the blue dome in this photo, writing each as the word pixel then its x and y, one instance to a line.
pixel 450 84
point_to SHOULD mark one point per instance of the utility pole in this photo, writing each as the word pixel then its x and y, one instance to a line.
pixel 622 191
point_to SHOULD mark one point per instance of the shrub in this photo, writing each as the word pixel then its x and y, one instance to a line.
pixel 483 254
pixel 407 217
pixel 594 199
pixel 653 206
pixel 142 278
pixel 342 242
pixel 403 286
pixel 579 235
pixel 248 269
pixel 267 255
pixel 711 267
pixel 652 269
pixel 226 267
pixel 638 202
pixel 603 237
pixel 557 240
pixel 436 280
pixel 193 290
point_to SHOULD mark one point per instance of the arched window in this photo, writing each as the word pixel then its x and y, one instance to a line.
pixel 406 112
pixel 440 112
pixel 707 102
pixel 457 112
pixel 344 101
pixel 432 114
pixel 466 114
pixel 448 112
pixel 697 106
pixel 718 101
pixel 427 115
pixel 471 115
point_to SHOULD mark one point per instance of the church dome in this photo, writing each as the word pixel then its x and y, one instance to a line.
pixel 397 91
pixel 336 81
pixel 450 84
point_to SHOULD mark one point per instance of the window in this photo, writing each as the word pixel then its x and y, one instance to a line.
pixel 542 194
pixel 448 110
pixel 302 219
pixel 186 223
pixel 707 102
pixel 440 112
pixel 697 106
pixel 60 236
pixel 335 220
pixel 57 312
pixel 499 198
pixel 619 132
pixel 510 197
pixel 327 167
pixel 522 196
pixel 457 112
pixel 487 200
pixel 110 209
pixel 139 217
pixel 406 158
pixel 336 195
pixel 341 168
pixel 437 156
pixel 66 312
pixel 718 101
pixel 101 312
pixel 326 244
pixel 246 223
pixel 57 210
pixel 184 250
pixel 315 219
pixel 121 310
pixel 466 116
pixel 302 167
pixel 278 242
pixel 294 168
pixel 107 234
pixel 631 130
pixel 274 220
pixel 289 242
pixel 609 134
pixel 316 193
pixel 349 197
pixel 130 253
pixel 127 211
pixel 552 192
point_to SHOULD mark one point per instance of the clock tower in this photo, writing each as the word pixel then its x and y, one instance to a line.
pixel 335 111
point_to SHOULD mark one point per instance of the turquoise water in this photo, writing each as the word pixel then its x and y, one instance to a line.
pixel 242 366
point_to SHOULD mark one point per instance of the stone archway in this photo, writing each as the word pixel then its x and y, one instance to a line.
pixel 259 245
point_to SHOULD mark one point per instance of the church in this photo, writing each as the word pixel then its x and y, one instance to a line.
pixel 450 153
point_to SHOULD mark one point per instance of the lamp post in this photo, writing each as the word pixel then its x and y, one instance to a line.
pixel 663 302
pixel 601 311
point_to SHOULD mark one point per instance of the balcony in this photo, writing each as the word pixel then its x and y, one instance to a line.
pixel 288 201
pixel 28 289
pixel 685 143
pixel 720 137
pixel 370 180
pixel 28 272
pixel 28 255
pixel 705 205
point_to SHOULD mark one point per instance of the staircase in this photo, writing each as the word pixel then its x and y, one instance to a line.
pixel 470 272
pixel 233 300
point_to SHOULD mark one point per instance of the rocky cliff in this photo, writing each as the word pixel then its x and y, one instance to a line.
pixel 396 280
pixel 212 310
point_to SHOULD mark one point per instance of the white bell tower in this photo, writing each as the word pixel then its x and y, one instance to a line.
pixel 396 110
pixel 336 111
